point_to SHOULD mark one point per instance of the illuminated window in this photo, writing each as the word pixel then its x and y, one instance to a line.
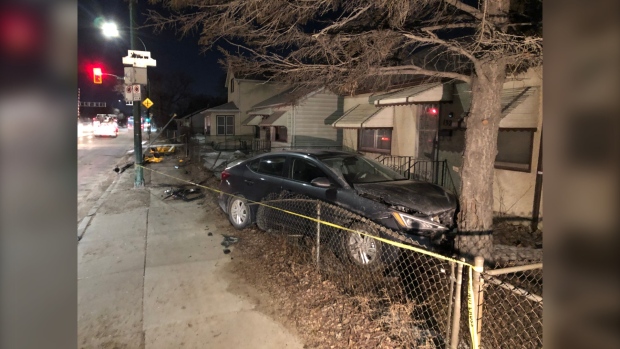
pixel 377 140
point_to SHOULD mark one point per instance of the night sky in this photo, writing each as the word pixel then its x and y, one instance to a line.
pixel 172 53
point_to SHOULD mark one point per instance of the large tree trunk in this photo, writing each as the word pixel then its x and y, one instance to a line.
pixel 475 219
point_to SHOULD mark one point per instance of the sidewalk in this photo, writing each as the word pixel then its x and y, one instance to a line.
pixel 150 276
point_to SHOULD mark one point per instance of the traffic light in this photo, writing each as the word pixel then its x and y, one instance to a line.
pixel 97 76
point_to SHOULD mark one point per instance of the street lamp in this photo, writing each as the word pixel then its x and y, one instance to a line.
pixel 110 30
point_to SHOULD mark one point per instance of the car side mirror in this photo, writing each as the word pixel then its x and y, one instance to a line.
pixel 321 182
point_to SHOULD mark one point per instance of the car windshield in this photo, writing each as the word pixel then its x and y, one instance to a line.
pixel 357 169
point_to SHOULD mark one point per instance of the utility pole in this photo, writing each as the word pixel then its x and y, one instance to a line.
pixel 137 117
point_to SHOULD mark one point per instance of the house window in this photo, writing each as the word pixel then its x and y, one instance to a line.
pixel 280 134
pixel 232 85
pixel 225 125
pixel 514 149
pixel 378 140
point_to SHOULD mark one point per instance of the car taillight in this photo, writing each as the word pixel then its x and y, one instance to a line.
pixel 224 175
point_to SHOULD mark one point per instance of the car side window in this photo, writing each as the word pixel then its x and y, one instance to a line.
pixel 305 171
pixel 273 166
pixel 254 165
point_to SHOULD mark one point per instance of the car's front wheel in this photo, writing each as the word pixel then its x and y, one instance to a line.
pixel 361 249
pixel 239 212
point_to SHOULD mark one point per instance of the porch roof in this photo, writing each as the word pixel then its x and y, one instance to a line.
pixel 366 116
pixel 274 119
pixel 253 120
pixel 435 92
pixel 519 105
pixel 228 107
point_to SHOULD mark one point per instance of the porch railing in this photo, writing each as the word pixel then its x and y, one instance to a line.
pixel 435 172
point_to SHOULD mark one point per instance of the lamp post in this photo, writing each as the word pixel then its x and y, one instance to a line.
pixel 111 30
pixel 137 117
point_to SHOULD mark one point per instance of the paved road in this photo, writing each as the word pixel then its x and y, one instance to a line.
pixel 96 159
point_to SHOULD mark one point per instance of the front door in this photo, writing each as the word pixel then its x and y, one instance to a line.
pixel 428 123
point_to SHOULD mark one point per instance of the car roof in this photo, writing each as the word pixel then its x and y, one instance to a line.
pixel 313 152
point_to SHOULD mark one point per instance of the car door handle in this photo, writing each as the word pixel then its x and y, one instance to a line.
pixel 248 182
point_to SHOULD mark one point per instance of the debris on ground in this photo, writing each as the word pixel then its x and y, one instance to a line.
pixel 163 149
pixel 229 240
pixel 185 194
pixel 226 251
pixel 122 169
pixel 155 157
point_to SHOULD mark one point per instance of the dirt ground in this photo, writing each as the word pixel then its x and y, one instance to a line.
pixel 518 235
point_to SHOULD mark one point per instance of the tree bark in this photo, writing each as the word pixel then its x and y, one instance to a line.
pixel 475 218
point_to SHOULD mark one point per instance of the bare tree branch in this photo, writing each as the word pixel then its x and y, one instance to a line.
pixel 413 69
pixel 343 22
pixel 465 8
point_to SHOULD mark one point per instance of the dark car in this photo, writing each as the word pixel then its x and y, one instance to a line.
pixel 419 210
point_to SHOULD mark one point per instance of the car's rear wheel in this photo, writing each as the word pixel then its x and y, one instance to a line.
pixel 239 212
pixel 361 249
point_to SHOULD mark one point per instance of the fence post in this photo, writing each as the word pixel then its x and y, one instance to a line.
pixel 456 314
pixel 477 284
pixel 409 169
pixel 318 233
pixel 452 280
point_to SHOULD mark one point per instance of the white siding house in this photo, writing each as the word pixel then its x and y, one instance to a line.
pixel 224 122
pixel 297 118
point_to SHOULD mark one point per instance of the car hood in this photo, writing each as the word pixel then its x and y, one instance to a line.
pixel 423 197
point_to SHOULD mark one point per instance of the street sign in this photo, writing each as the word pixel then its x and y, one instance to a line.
pixel 140 59
pixel 132 93
pixel 137 96
pixel 135 75
pixel 128 93
pixel 147 103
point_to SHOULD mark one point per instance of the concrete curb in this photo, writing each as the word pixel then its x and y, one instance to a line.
pixel 86 220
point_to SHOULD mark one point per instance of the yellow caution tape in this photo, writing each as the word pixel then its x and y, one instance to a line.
pixel 390 242
pixel 472 313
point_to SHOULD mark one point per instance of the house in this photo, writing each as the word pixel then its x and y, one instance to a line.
pixel 223 123
pixel 194 121
pixel 297 118
pixel 420 129
pixel 519 144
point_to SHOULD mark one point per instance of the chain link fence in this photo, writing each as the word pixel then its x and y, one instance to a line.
pixel 512 307
pixel 422 299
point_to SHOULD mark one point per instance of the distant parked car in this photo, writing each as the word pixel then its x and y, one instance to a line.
pixel 420 211
pixel 106 128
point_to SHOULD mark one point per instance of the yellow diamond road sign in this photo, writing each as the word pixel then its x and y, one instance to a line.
pixel 147 103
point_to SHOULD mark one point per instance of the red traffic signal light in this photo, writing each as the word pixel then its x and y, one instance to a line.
pixel 97 76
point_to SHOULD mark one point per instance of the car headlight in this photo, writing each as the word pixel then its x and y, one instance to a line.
pixel 414 222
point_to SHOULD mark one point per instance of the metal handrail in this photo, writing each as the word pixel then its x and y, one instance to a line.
pixel 435 172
